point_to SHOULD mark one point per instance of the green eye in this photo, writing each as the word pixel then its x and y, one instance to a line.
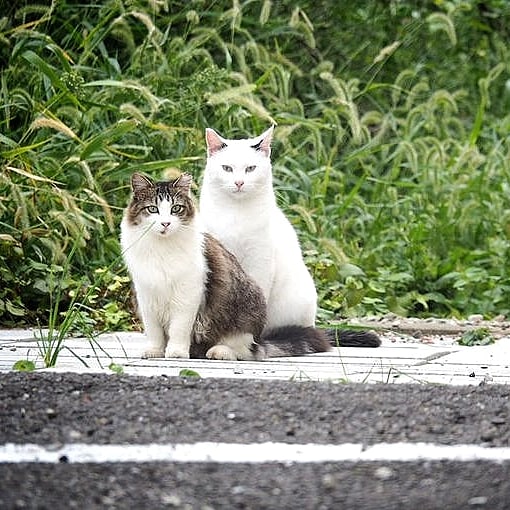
pixel 250 168
pixel 176 209
pixel 227 168
pixel 152 209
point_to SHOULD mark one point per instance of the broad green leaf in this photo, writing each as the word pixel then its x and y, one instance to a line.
pixel 43 67
pixel 480 336
pixel 115 367
pixel 104 138
pixel 24 365
pixel 187 372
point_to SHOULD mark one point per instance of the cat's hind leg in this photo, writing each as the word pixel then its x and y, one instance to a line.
pixel 233 348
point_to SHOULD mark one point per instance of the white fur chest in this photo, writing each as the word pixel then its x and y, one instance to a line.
pixel 163 269
pixel 243 227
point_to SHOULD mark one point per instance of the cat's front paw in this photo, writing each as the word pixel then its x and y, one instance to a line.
pixel 176 352
pixel 153 353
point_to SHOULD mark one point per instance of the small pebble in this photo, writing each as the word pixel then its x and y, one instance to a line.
pixel 487 435
pixel 171 500
pixel 328 481
pixel 74 434
pixel 478 501
pixel 51 413
pixel 383 473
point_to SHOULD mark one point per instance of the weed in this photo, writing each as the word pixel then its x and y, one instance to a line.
pixel 51 341
pixel 116 368
pixel 24 365
pixel 187 372
pixel 480 336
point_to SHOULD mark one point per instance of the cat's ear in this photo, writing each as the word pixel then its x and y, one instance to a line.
pixel 183 182
pixel 214 142
pixel 140 182
pixel 263 143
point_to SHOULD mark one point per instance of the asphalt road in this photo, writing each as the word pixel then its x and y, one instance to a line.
pixel 55 409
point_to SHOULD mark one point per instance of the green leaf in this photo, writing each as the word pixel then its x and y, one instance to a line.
pixel 101 140
pixel 350 270
pixel 15 309
pixel 39 64
pixel 115 367
pixel 24 365
pixel 187 372
pixel 480 336
pixel 152 166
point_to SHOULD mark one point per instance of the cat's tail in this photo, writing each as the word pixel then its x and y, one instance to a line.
pixel 353 338
pixel 292 341
pixel 302 340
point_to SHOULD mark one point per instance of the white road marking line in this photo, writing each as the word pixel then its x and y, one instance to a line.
pixel 249 453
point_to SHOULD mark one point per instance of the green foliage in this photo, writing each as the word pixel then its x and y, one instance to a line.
pixel 391 155
pixel 187 372
pixel 116 368
pixel 50 342
pixel 104 303
pixel 24 365
pixel 480 336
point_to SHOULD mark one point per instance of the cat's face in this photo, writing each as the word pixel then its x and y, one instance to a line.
pixel 239 168
pixel 161 208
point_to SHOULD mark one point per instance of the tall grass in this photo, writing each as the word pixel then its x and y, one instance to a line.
pixel 391 155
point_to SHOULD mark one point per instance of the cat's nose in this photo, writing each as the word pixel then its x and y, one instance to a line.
pixel 165 224
pixel 239 184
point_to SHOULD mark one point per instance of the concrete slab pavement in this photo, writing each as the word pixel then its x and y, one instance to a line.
pixel 400 359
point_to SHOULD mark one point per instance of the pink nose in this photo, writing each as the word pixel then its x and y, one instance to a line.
pixel 165 224
pixel 239 184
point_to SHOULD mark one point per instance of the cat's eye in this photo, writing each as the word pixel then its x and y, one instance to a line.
pixel 250 168
pixel 176 209
pixel 227 168
pixel 152 209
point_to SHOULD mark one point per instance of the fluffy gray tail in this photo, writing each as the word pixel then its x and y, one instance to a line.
pixel 292 341
pixel 302 340
pixel 352 338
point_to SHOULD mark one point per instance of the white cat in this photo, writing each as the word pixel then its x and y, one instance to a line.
pixel 238 207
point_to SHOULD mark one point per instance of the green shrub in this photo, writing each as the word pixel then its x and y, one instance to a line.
pixel 391 155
